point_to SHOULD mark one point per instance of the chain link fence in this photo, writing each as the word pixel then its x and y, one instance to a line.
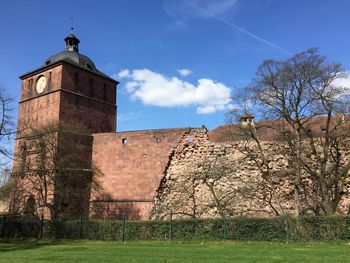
pixel 285 228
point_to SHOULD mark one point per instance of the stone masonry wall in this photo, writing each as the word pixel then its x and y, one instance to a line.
pixel 183 191
pixel 88 98
pixel 132 165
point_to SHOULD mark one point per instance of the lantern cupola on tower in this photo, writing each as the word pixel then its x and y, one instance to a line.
pixel 246 120
pixel 71 54
pixel 72 43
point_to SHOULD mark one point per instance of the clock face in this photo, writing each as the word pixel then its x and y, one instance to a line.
pixel 40 84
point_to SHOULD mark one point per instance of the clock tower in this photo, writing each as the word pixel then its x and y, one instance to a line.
pixel 66 91
pixel 69 88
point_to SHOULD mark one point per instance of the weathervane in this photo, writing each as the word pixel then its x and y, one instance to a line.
pixel 72 25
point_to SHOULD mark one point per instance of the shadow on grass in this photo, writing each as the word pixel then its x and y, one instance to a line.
pixel 12 245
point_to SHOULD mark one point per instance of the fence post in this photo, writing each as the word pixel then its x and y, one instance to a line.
pixel 225 227
pixel 171 225
pixel 54 228
pixel 111 229
pixel 42 227
pixel 3 227
pixel 123 228
pixel 286 226
pixel 80 226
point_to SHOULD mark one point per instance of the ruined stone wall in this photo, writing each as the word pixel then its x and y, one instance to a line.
pixel 184 193
pixel 132 165
pixel 181 189
pixel 148 174
pixel 153 171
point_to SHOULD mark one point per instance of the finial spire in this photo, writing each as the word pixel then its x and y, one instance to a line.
pixel 72 25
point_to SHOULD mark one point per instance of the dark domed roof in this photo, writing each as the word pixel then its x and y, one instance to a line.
pixel 73 57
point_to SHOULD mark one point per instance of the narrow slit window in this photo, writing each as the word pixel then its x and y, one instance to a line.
pixel 91 88
pixel 76 78
pixel 104 91
pixel 50 79
pixel 124 141
pixel 157 140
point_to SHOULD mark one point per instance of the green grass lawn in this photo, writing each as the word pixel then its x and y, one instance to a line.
pixel 171 252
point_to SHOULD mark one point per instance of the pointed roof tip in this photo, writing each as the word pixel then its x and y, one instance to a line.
pixel 72 25
pixel 72 37
pixel 247 115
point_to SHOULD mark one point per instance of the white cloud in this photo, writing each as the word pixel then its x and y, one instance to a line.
pixel 344 82
pixel 206 109
pixel 155 89
pixel 184 72
pixel 130 86
pixel 124 73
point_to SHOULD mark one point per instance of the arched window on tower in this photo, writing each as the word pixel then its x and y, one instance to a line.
pixel 30 206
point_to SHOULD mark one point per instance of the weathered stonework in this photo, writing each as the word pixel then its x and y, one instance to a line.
pixel 75 94
pixel 248 192
pixel 132 164
pixel 147 174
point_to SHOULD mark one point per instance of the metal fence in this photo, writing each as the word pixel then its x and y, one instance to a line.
pixel 285 228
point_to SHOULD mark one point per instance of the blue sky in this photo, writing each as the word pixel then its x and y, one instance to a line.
pixel 178 61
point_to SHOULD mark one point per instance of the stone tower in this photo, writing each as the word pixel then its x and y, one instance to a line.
pixel 68 88
pixel 66 91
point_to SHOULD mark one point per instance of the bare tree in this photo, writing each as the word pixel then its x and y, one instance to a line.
pixel 179 195
pixel 210 187
pixel 54 170
pixel 183 192
pixel 7 132
pixel 218 174
pixel 7 128
pixel 306 111
pixel 5 184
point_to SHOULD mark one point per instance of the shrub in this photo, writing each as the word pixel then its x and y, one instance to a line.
pixel 236 228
